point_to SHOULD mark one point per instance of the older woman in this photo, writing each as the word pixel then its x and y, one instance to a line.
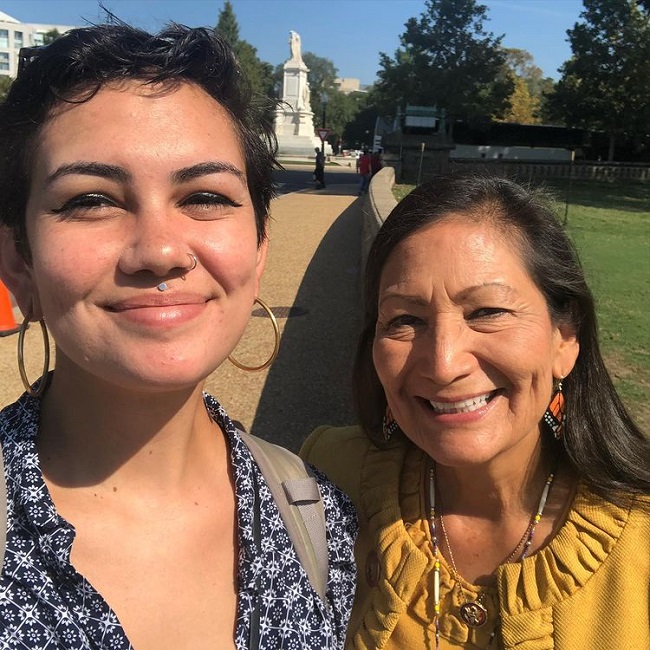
pixel 502 488
pixel 135 181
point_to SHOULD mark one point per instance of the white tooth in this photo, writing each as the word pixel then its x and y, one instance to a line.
pixel 464 406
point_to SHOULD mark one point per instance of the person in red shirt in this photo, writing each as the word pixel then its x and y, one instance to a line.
pixel 364 171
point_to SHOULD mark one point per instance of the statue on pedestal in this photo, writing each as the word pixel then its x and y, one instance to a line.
pixel 294 125
pixel 294 46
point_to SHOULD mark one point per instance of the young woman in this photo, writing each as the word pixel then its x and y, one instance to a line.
pixel 135 181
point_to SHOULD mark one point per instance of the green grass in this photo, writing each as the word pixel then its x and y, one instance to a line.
pixel 610 225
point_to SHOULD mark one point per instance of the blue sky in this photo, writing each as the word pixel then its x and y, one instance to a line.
pixel 349 32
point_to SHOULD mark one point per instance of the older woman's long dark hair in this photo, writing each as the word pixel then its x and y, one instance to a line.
pixel 76 66
pixel 601 441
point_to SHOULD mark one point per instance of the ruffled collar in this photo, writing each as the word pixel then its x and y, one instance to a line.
pixel 392 501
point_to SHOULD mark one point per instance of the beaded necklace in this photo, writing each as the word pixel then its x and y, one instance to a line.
pixel 473 612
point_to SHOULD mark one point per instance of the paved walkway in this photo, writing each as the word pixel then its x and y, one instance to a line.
pixel 313 268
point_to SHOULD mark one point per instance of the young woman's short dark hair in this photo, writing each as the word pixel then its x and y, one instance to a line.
pixel 78 64
pixel 600 439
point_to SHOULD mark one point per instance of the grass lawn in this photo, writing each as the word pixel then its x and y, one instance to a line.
pixel 610 225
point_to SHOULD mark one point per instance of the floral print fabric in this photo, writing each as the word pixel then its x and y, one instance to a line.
pixel 46 604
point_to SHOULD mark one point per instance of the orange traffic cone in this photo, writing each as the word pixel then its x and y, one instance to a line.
pixel 7 320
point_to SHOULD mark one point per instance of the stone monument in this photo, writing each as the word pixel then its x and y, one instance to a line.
pixel 294 119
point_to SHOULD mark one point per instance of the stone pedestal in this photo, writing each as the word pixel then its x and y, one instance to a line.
pixel 294 119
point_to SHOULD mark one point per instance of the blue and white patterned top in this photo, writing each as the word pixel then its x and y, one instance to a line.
pixel 46 604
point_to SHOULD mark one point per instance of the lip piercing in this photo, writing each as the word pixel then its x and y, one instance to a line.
pixel 162 287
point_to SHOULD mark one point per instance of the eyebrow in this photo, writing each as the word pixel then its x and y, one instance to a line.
pixel 465 293
pixel 119 174
pixel 202 169
pixel 504 288
pixel 413 299
pixel 111 172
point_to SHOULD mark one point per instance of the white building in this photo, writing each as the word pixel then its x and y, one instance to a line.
pixel 14 35
pixel 349 85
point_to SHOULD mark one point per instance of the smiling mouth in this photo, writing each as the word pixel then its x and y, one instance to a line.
pixel 464 406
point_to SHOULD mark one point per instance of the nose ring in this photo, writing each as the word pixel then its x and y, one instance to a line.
pixel 163 286
pixel 191 267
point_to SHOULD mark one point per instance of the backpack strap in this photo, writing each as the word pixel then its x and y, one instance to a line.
pixel 296 493
pixel 3 511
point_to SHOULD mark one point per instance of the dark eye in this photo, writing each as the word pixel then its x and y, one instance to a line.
pixel 405 320
pixel 209 199
pixel 88 201
pixel 487 312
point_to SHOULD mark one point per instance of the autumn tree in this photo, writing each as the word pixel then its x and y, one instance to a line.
pixel 524 107
pixel 528 100
pixel 605 85
pixel 447 59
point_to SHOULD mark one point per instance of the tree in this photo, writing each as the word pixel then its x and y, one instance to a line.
pixel 322 74
pixel 5 84
pixel 447 60
pixel 341 111
pixel 258 73
pixel 358 133
pixel 605 85
pixel 227 25
pixel 528 100
pixel 523 106
pixel 50 36
pixel 522 64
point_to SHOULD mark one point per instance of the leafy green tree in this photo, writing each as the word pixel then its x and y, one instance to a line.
pixel 5 84
pixel 448 60
pixel 322 74
pixel 605 85
pixel 258 73
pixel 50 36
pixel 341 110
pixel 227 25
pixel 358 133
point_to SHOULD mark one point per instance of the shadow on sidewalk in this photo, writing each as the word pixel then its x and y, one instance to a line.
pixel 309 383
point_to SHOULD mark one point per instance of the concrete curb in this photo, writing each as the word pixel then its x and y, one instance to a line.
pixel 377 206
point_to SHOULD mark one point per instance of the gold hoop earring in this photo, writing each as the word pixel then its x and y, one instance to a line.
pixel 21 358
pixel 276 349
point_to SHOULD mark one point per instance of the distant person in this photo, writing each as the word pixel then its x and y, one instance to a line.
pixel 319 172
pixel 376 161
pixel 364 169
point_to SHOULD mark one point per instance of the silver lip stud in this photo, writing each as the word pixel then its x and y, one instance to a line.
pixel 162 286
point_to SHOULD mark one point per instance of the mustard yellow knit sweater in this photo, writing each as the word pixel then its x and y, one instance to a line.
pixel 588 589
